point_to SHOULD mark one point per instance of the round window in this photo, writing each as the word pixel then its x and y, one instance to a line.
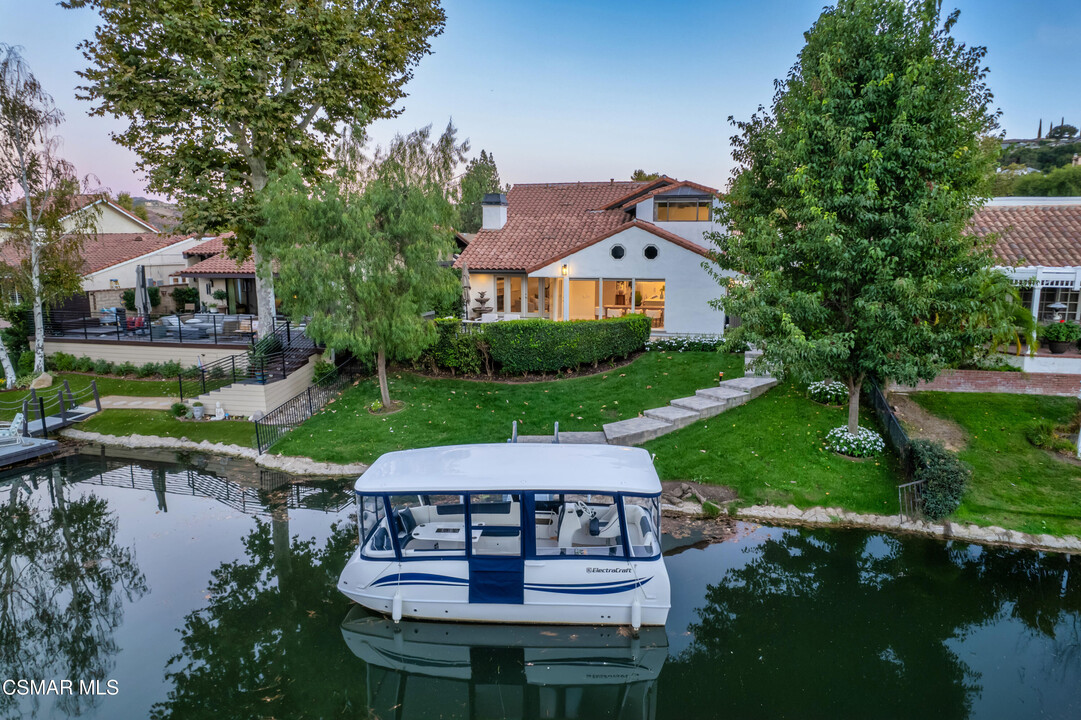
pixel 650 252
pixel 618 252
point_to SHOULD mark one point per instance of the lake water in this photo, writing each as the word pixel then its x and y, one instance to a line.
pixel 195 587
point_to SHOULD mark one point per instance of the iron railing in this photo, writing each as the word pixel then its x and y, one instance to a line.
pixel 183 328
pixel 39 408
pixel 910 494
pixel 910 498
pixel 277 423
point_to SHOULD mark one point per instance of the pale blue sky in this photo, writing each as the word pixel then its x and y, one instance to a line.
pixel 564 90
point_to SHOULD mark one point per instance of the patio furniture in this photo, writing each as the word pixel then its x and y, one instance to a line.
pixel 654 316
pixel 489 317
pixel 13 433
pixel 159 331
pixel 188 332
pixel 136 324
pixel 512 316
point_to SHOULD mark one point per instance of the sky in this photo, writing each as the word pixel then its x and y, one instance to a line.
pixel 568 90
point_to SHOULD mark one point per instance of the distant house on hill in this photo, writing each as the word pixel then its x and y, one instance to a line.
pixel 111 218
pixel 584 250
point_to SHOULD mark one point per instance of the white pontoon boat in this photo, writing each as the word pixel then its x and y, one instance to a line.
pixel 513 533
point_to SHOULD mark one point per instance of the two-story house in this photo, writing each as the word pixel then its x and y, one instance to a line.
pixel 573 251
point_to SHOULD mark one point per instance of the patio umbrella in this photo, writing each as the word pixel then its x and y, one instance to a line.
pixel 465 291
pixel 142 297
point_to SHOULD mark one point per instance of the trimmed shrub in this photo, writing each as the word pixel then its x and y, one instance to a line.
pixel 178 409
pixel 169 369
pixel 944 475
pixel 525 346
pixel 103 367
pixel 84 365
pixel 127 298
pixel 60 362
pixel 183 295
pixel 456 350
pixel 867 443
pixel 125 368
pixel 145 371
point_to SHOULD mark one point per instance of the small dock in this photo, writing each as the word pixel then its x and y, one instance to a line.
pixel 47 413
pixel 27 449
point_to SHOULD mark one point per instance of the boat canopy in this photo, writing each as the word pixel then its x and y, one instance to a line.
pixel 513 467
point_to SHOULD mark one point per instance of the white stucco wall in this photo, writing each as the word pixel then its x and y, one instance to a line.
pixel 160 264
pixel 688 287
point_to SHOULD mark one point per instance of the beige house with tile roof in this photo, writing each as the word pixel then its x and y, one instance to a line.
pixel 111 218
pixel 586 250
pixel 211 269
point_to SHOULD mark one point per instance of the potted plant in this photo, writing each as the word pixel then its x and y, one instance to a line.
pixel 1061 336
pixel 213 307
pixel 197 410
pixel 221 296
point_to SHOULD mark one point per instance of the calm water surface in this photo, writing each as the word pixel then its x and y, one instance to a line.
pixel 205 589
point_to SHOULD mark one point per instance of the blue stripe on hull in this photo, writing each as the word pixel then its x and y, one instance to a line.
pixel 566 589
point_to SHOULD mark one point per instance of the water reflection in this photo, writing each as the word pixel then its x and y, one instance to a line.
pixel 64 583
pixel 823 624
pixel 451 670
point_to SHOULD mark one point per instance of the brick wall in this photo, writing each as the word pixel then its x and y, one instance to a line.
pixel 112 298
pixel 1001 382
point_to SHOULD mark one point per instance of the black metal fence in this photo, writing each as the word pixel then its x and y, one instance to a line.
pixel 910 494
pixel 277 423
pixel 121 325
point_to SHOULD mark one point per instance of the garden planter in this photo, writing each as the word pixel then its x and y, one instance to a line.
pixel 197 412
pixel 1059 347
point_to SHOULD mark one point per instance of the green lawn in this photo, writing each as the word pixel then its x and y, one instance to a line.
pixel 161 423
pixel 770 451
pixel 11 400
pixel 1014 484
pixel 446 411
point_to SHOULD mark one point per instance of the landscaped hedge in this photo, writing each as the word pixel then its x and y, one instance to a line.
pixel 945 477
pixel 63 362
pixel 537 346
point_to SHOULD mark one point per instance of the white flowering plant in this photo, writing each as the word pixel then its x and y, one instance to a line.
pixel 828 392
pixel 685 343
pixel 867 443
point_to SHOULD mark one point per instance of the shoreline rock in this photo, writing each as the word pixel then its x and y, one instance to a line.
pixel 289 464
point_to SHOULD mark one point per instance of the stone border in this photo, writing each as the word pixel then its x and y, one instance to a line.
pixel 289 464
pixel 836 517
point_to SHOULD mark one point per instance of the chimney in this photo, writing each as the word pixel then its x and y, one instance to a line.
pixel 494 210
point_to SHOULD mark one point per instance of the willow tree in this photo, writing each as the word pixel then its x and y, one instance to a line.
pixel 847 215
pixel 359 253
pixel 218 93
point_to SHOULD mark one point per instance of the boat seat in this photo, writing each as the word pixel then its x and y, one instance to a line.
pixel 500 532
pixel 406 524
pixel 381 540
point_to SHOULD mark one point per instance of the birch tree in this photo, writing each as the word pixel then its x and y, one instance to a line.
pixel 49 218
pixel 218 93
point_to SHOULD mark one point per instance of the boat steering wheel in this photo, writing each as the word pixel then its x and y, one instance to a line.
pixel 582 509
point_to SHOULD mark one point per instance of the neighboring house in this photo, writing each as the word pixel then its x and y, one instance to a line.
pixel 1038 245
pixel 211 269
pixel 111 218
pixel 571 251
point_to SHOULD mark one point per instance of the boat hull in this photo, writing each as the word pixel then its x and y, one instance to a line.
pixel 564 591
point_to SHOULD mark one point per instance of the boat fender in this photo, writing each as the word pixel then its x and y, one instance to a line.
pixel 636 614
pixel 396 608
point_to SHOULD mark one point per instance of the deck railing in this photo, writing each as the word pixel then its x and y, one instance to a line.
pixel 910 494
pixel 183 328
pixel 277 423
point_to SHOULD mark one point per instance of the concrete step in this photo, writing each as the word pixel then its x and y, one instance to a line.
pixel 728 395
pixel 706 407
pixel 635 430
pixel 677 417
pixel 754 386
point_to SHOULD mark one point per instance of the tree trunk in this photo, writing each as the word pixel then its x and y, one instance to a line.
pixel 381 364
pixel 9 371
pixel 39 315
pixel 264 291
pixel 854 407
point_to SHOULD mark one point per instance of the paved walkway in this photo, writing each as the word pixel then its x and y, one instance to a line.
pixel 130 402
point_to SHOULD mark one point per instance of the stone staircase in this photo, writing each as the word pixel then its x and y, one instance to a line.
pixel 681 412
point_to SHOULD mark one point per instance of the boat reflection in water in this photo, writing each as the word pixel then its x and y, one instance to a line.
pixel 430 669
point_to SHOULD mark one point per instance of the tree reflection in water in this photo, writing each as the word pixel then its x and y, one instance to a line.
pixel 64 580
pixel 267 644
pixel 845 624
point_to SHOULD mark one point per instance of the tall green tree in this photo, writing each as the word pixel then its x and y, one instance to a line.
pixel 847 216
pixel 641 175
pixel 1061 131
pixel 124 200
pixel 481 176
pixel 218 93
pixel 47 222
pixel 360 253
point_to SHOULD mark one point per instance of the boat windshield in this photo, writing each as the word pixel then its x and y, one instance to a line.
pixel 643 525
pixel 579 524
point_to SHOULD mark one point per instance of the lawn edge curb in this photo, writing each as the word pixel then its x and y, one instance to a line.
pixel 290 464
pixel 837 517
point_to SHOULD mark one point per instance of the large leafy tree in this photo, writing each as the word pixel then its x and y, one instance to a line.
pixel 847 216
pixel 481 176
pixel 217 93
pixel 49 219
pixel 360 253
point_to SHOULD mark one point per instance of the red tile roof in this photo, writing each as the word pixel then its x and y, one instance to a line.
pixel 106 249
pixel 1045 235
pixel 633 195
pixel 546 222
pixel 705 189
pixel 213 246
pixel 219 265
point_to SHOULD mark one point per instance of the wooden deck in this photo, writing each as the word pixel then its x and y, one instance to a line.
pixel 28 449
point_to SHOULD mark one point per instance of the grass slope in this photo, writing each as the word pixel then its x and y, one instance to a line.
pixel 1014 484
pixel 770 451
pixel 161 423
pixel 446 412
pixel 11 400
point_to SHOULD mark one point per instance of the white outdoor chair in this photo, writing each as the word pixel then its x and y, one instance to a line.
pixel 489 317
pixel 655 317
pixel 13 433
pixel 512 316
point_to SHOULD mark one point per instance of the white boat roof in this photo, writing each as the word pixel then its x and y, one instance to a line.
pixel 513 466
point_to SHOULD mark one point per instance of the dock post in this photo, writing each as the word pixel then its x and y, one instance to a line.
pixel 63 407
pixel 41 414
pixel 97 398
pixel 26 418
